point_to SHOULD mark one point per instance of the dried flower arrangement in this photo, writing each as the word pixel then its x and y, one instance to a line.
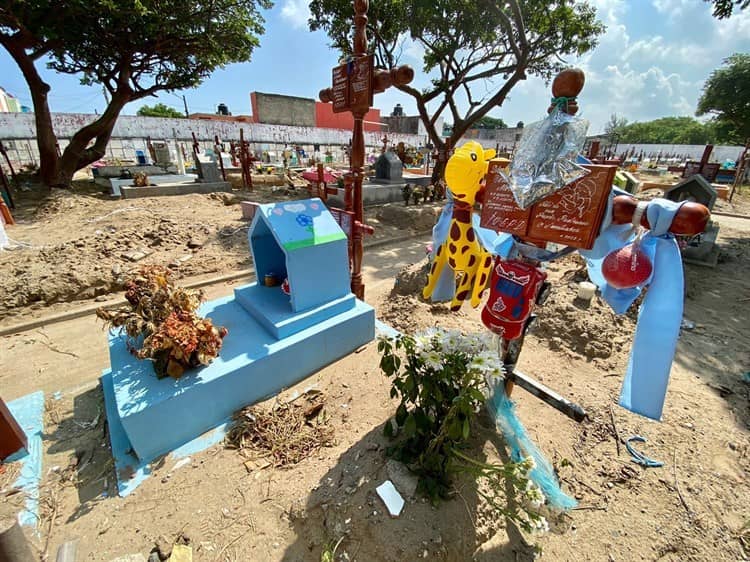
pixel 174 336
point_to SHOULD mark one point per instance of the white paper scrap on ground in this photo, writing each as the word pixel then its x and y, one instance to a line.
pixel 391 498
pixel 180 463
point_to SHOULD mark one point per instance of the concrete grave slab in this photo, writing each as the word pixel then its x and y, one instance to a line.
pixel 130 471
pixel 706 253
pixel 115 185
pixel 116 171
pixel 174 189
pixel 253 365
pixel 274 339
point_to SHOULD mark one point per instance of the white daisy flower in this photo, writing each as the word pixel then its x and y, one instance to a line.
pixel 432 359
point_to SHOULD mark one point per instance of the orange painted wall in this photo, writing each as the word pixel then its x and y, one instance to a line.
pixel 327 119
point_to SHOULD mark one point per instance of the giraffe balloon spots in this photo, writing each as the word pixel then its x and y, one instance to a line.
pixel 462 251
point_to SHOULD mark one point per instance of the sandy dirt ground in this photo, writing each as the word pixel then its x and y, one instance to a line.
pixel 693 508
pixel 78 246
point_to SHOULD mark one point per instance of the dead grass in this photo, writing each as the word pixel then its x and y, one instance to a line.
pixel 284 433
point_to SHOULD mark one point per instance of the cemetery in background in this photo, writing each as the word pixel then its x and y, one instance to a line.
pixel 130 134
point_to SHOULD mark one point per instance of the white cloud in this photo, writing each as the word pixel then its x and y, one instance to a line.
pixel 651 62
pixel 296 12
pixel 644 71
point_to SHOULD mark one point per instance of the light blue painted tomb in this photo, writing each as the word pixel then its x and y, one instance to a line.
pixel 274 340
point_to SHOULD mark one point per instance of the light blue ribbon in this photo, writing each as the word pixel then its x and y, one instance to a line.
pixel 655 341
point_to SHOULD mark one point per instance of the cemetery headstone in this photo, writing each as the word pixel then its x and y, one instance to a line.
pixel 632 184
pixel 208 171
pixel 695 188
pixel 388 167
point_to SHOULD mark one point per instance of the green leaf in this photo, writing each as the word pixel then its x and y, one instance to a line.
pixel 409 384
pixel 466 428
pixel 423 422
pixel 401 414
pixel 476 395
pixel 410 426
pixel 454 429
pixel 388 428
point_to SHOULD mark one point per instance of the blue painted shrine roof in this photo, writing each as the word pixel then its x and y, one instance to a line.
pixel 300 224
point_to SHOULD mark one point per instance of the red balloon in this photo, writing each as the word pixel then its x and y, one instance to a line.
pixel 627 267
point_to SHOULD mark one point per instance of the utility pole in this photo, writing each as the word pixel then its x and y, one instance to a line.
pixel 184 101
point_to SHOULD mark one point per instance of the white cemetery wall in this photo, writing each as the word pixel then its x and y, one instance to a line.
pixel 18 133
pixel 681 152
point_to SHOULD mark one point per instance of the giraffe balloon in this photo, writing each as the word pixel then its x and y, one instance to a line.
pixel 461 251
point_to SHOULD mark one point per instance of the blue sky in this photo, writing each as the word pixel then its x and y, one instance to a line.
pixel 652 62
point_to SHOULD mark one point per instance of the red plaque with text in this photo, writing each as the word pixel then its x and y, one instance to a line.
pixel 570 216
pixel 340 89
pixel 500 212
pixel 360 83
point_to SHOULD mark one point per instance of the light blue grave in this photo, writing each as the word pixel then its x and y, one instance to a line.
pixel 274 340
pixel 29 412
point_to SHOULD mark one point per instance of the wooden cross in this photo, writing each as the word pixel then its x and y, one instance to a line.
pixel 354 84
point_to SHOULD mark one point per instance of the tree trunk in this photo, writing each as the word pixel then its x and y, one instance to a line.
pixel 438 172
pixel 45 134
pixel 77 155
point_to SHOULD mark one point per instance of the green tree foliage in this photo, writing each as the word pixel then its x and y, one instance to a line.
pixel 488 122
pixel 674 130
pixel 159 110
pixel 726 95
pixel 725 8
pixel 474 52
pixel 133 48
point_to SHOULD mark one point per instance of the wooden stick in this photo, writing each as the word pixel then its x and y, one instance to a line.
pixel 570 409
pixel 217 144
pixel 614 428
pixel 677 483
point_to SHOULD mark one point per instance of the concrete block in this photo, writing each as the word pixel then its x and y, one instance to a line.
pixel 271 308
pixel 379 194
pixel 302 242
pixel 178 189
pixel 632 184
pixel 722 191
pixel 706 253
pixel 116 171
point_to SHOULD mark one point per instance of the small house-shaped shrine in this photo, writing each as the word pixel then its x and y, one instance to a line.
pixel 301 244
pixel 389 168
pixel 695 188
